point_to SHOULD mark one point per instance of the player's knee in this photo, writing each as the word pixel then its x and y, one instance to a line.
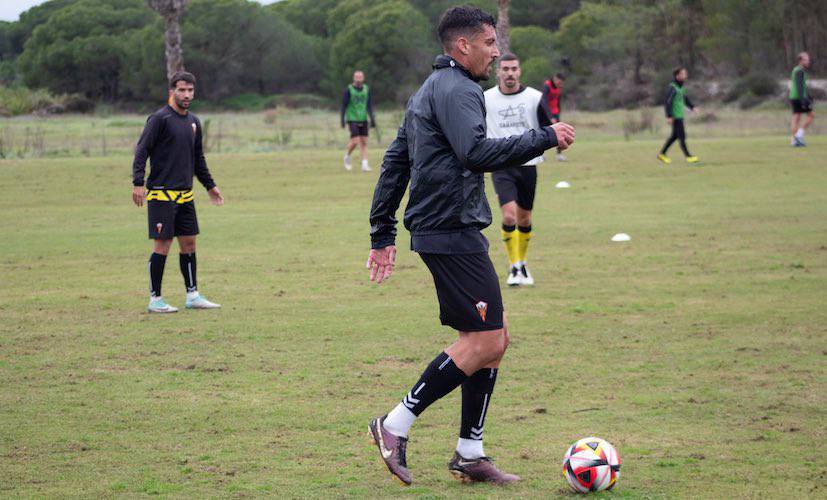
pixel 509 218
pixel 524 220
pixel 187 245
pixel 162 246
pixel 495 345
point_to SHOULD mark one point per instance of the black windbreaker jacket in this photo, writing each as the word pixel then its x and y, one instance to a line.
pixel 442 150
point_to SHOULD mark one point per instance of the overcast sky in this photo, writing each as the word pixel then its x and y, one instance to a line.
pixel 10 9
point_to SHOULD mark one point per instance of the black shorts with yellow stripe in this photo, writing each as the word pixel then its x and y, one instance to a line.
pixel 171 213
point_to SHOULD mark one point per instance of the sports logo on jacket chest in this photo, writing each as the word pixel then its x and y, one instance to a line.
pixel 194 128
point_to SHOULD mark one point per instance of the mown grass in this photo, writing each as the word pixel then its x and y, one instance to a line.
pixel 698 348
pixel 283 129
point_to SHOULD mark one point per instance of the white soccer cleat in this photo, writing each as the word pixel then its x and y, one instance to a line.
pixel 526 277
pixel 515 278
pixel 347 163
pixel 159 305
pixel 199 302
pixel 365 166
pixel 561 157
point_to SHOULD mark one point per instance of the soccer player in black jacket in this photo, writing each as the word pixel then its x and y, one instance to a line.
pixel 441 149
pixel 172 140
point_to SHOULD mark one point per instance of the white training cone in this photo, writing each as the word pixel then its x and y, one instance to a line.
pixel 621 237
pixel 562 185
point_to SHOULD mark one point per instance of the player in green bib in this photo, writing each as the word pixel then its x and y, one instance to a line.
pixel 356 108
pixel 676 103
pixel 800 100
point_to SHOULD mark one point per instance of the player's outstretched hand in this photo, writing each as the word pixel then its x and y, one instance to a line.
pixel 138 195
pixel 215 196
pixel 565 134
pixel 380 262
pixel 669 120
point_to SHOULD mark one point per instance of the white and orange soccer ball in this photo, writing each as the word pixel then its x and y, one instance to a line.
pixel 591 464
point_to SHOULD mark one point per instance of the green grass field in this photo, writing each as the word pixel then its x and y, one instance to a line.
pixel 698 348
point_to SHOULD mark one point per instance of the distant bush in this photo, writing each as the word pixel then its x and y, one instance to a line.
pixel 645 122
pixel 77 104
pixel 257 102
pixel 749 100
pixel 757 85
pixel 248 102
pixel 294 101
pixel 816 93
pixel 22 101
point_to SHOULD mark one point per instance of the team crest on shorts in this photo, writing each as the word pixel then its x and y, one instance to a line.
pixel 160 226
pixel 482 308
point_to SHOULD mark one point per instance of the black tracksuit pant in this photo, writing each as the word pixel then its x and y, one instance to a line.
pixel 678 133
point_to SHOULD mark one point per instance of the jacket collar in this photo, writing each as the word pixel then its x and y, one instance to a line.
pixel 445 61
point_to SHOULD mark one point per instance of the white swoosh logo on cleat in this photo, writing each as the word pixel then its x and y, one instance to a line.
pixel 386 453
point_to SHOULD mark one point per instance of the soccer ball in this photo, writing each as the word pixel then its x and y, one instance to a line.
pixel 591 464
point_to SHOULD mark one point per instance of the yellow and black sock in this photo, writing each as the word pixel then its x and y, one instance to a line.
pixel 510 238
pixel 523 237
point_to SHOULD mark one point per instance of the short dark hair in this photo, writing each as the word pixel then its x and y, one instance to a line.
pixel 560 76
pixel 509 56
pixel 462 20
pixel 678 70
pixel 181 76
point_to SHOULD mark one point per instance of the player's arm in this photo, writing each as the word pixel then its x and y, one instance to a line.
pixel 370 109
pixel 390 188
pixel 799 84
pixel 670 96
pixel 543 113
pixel 688 102
pixel 462 119
pixel 345 103
pixel 142 152
pixel 202 173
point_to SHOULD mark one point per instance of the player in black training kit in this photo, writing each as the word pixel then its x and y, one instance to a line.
pixel 441 149
pixel 172 140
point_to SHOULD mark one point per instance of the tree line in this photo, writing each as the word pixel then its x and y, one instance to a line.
pixel 615 52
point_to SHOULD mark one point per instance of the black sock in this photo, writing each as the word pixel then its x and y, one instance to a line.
pixel 524 229
pixel 510 228
pixel 187 261
pixel 156 273
pixel 441 377
pixel 476 396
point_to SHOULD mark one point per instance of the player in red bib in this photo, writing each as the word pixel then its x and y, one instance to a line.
pixel 552 88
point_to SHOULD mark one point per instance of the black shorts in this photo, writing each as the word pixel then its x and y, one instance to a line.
pixel 801 106
pixel 516 184
pixel 358 129
pixel 168 219
pixel 468 290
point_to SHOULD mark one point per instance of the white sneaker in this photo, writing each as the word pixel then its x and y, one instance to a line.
pixel 347 162
pixel 199 302
pixel 514 276
pixel 365 167
pixel 527 278
pixel 561 157
pixel 159 305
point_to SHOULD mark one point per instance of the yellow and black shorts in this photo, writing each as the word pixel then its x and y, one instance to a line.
pixel 171 213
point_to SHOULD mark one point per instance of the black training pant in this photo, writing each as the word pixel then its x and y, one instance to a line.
pixel 678 133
